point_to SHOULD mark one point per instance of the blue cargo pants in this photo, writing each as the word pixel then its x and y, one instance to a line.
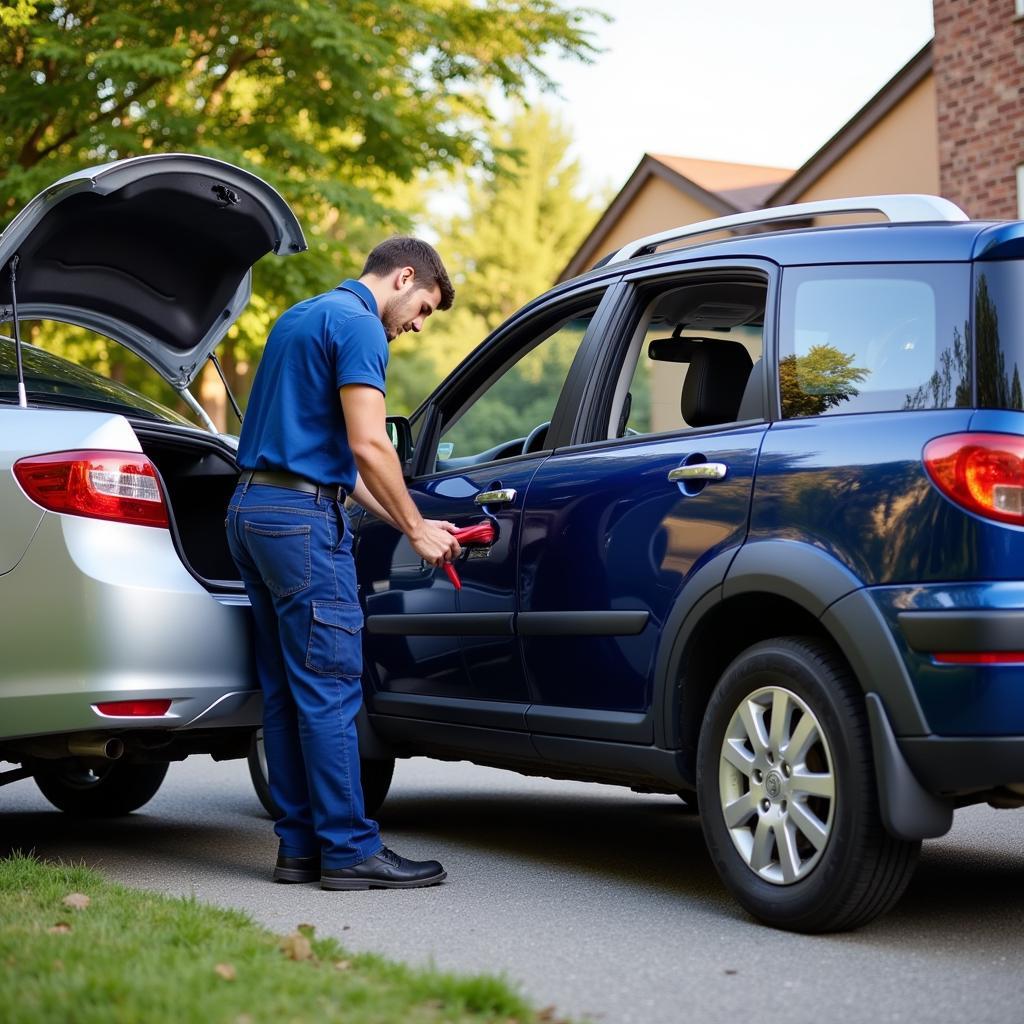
pixel 294 553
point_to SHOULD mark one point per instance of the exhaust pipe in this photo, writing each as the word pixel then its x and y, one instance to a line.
pixel 84 744
pixel 106 748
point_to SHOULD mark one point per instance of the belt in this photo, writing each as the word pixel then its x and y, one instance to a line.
pixel 278 478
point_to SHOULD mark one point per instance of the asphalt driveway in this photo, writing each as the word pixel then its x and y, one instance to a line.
pixel 592 898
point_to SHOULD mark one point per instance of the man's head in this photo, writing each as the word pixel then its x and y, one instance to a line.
pixel 409 282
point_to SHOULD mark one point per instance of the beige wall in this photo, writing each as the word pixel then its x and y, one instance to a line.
pixel 656 207
pixel 900 154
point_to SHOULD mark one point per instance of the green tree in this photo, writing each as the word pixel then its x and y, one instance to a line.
pixel 525 217
pixel 335 104
pixel 821 379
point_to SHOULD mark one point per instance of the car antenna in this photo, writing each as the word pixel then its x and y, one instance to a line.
pixel 227 387
pixel 22 396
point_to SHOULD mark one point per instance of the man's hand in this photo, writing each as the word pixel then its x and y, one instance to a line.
pixel 434 544
pixel 442 524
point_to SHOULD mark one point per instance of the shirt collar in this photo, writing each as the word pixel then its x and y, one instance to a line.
pixel 361 292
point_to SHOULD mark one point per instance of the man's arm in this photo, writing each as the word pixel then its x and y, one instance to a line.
pixel 361 496
pixel 381 473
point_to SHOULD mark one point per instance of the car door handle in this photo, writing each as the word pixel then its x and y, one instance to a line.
pixel 699 471
pixel 500 497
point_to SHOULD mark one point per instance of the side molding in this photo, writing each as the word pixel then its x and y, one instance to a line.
pixel 908 810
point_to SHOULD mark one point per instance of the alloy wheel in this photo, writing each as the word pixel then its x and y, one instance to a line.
pixel 777 785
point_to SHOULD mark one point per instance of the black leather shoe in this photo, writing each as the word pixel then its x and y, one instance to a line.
pixel 384 870
pixel 297 869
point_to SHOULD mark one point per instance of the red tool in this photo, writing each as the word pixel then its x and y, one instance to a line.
pixel 481 533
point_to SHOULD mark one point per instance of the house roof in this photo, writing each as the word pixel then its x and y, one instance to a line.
pixel 735 188
pixel 722 187
pixel 745 186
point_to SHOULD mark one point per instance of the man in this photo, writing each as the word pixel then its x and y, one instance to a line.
pixel 314 432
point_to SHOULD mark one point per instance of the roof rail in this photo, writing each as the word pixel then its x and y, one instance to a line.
pixel 898 209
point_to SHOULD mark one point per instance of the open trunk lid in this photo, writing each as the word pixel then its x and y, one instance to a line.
pixel 154 251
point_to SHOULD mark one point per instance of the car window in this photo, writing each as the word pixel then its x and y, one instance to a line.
pixel 518 401
pixel 691 358
pixel 999 333
pixel 51 380
pixel 873 338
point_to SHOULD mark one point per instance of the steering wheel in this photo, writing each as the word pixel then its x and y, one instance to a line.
pixel 535 438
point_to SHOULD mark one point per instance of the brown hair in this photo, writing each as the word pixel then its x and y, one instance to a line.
pixel 404 251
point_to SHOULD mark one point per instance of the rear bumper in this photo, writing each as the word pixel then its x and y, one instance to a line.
pixel 960 764
pixel 943 634
pixel 100 611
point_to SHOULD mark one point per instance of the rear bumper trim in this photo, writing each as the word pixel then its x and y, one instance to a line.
pixel 975 630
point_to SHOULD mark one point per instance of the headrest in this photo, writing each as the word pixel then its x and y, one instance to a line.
pixel 714 383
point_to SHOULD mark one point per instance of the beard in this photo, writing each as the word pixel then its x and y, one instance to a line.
pixel 392 319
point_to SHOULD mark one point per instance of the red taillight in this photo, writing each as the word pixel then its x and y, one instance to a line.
pixel 122 486
pixel 134 708
pixel 979 657
pixel 983 473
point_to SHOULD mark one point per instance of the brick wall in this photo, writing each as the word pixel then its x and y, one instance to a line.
pixel 979 78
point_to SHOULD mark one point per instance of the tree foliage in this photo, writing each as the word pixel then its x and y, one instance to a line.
pixel 337 105
pixel 820 380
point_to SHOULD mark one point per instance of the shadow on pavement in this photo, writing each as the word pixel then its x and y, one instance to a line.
pixel 648 843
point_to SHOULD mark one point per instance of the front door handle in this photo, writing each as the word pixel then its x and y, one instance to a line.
pixel 502 496
pixel 699 471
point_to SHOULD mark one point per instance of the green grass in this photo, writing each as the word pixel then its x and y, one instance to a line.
pixel 140 957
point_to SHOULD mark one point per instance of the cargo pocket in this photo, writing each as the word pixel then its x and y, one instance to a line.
pixel 281 554
pixel 335 641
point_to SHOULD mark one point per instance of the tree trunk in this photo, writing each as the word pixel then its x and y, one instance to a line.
pixel 212 397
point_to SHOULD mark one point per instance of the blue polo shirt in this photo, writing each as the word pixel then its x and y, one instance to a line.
pixel 294 421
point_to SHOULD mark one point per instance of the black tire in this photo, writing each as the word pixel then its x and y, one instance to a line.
pixel 110 790
pixel 855 870
pixel 376 776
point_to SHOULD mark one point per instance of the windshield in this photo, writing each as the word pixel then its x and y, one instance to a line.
pixel 50 380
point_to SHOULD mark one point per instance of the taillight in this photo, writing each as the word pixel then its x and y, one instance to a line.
pixel 134 708
pixel 983 473
pixel 121 486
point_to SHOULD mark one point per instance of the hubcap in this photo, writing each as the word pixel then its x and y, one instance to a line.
pixel 777 785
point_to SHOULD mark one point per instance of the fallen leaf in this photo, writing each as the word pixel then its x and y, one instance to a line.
pixel 226 971
pixel 550 1014
pixel 60 928
pixel 343 965
pixel 76 901
pixel 296 946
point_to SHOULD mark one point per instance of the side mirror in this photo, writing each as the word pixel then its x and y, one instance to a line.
pixel 401 437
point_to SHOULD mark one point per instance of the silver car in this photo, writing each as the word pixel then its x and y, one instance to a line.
pixel 122 623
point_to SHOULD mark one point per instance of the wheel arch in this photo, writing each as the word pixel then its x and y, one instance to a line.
pixel 786 588
pixel 774 588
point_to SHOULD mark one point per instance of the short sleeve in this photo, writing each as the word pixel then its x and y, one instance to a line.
pixel 360 352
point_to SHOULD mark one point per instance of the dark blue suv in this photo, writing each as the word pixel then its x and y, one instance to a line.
pixel 758 507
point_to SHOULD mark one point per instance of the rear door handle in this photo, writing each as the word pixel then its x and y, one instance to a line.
pixel 500 497
pixel 699 471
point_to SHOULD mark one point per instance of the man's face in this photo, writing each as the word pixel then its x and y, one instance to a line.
pixel 408 307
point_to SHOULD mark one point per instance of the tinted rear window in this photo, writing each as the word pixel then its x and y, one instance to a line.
pixel 50 380
pixel 999 329
pixel 874 338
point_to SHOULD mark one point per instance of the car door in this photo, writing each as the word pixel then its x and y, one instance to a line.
pixel 451 654
pixel 655 487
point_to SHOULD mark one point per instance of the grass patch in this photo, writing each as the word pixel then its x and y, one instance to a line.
pixel 132 956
